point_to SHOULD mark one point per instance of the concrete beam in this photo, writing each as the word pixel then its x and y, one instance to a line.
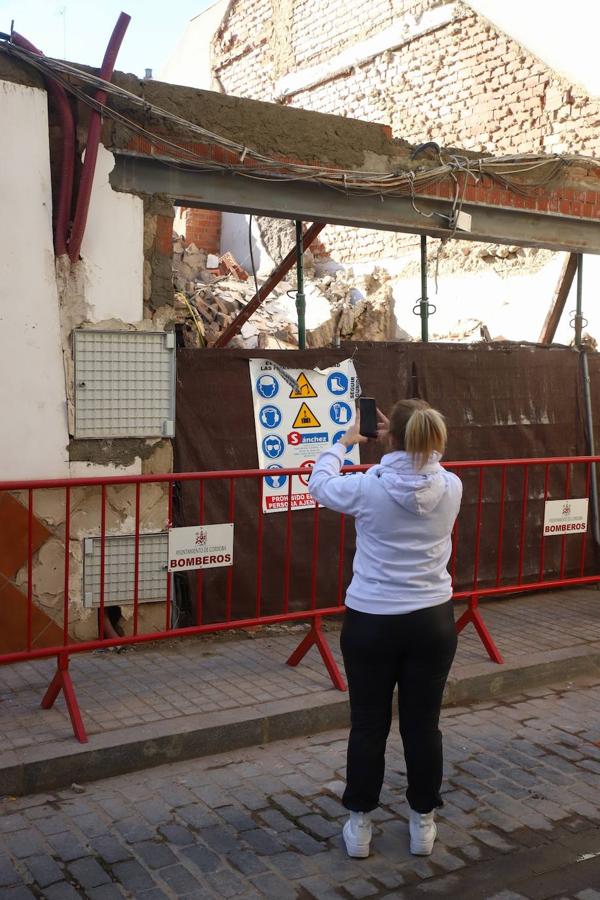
pixel 315 203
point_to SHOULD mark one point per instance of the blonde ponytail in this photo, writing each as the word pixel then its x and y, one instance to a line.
pixel 418 429
pixel 425 434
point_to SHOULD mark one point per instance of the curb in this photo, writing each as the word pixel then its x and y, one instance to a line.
pixel 55 766
pixel 480 684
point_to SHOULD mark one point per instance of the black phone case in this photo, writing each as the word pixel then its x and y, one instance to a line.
pixel 368 417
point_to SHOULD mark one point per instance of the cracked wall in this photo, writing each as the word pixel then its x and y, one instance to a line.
pixel 48 565
pixel 123 280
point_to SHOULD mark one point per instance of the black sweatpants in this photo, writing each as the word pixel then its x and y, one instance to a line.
pixel 414 651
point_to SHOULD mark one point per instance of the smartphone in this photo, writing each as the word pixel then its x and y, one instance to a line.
pixel 368 417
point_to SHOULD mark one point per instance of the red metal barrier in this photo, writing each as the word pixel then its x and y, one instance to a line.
pixel 530 532
pixel 503 503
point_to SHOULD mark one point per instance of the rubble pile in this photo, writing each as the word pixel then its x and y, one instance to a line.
pixel 211 291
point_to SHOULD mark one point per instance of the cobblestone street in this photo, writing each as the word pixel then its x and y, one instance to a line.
pixel 521 819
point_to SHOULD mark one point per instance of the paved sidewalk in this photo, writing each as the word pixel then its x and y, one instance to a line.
pixel 191 697
pixel 521 819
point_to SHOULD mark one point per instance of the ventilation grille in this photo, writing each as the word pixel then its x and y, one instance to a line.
pixel 119 569
pixel 124 384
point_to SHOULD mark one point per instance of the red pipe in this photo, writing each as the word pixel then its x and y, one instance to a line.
pixel 65 190
pixel 93 140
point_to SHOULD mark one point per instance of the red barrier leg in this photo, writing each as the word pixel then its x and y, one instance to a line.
pixel 62 681
pixel 316 636
pixel 472 614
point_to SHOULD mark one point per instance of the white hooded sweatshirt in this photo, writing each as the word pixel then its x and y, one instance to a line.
pixel 404 520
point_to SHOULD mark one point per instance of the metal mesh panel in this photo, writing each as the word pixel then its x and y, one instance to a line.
pixel 124 384
pixel 119 569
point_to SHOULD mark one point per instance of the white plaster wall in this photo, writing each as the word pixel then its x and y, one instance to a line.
pixel 33 431
pixel 179 220
pixel 113 249
pixel 234 238
pixel 190 62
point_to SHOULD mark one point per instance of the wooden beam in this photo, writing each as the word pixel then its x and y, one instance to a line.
pixel 560 298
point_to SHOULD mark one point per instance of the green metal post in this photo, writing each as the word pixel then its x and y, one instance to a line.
pixel 300 298
pixel 578 312
pixel 424 304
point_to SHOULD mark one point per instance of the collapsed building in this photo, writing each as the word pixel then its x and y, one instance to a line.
pixel 90 348
pixel 340 306
pixel 434 71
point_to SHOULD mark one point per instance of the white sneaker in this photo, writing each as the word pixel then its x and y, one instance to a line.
pixel 423 832
pixel 357 835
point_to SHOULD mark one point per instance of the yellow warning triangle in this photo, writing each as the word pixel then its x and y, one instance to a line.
pixel 305 418
pixel 305 388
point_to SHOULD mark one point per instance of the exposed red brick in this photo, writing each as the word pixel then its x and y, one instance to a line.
pixel 164 235
pixel 203 228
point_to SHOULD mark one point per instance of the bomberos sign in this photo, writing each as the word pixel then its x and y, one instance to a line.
pixel 565 517
pixel 200 547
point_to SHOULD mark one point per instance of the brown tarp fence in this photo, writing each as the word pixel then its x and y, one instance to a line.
pixel 501 401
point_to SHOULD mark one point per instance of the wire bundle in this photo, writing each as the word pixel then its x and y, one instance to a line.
pixel 410 181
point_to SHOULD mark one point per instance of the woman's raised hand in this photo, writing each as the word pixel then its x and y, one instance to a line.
pixel 383 426
pixel 353 435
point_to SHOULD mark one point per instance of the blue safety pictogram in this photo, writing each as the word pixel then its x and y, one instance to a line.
pixel 348 462
pixel 275 481
pixel 340 413
pixel 273 446
pixel 270 417
pixel 338 436
pixel 337 383
pixel 267 386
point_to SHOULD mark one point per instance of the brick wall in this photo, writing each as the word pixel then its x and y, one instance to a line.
pixel 243 52
pixel 203 228
pixel 248 47
pixel 319 30
pixel 464 84
pixel 158 254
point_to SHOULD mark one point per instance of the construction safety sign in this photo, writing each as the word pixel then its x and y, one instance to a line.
pixel 565 516
pixel 200 547
pixel 298 413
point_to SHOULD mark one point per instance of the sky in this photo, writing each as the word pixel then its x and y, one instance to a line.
pixel 565 36
pixel 78 30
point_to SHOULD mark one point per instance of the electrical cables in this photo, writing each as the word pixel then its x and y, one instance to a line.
pixel 412 179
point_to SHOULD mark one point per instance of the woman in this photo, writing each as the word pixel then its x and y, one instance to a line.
pixel 399 622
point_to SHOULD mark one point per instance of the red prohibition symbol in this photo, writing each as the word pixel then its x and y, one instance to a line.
pixel 306 465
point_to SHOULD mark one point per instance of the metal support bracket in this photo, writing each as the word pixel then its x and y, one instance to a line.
pixel 472 614
pixel 316 636
pixel 62 682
